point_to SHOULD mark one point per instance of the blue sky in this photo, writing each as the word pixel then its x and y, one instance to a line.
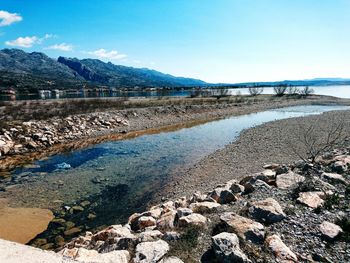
pixel 217 41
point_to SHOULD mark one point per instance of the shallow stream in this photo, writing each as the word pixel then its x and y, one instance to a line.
pixel 104 183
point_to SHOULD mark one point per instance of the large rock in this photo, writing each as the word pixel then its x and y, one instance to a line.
pixel 268 210
pixel 150 235
pixel 204 207
pixel 151 252
pixel 288 180
pixel 341 163
pixel 92 256
pixel 113 231
pixel 112 238
pixel 226 248
pixel 223 195
pixel 145 221
pixel 193 220
pixel 282 253
pixel 237 188
pixel 254 185
pixel 171 260
pixel 182 211
pixel 311 199
pixel 335 178
pixel 330 231
pixel 167 220
pixel 245 228
pixel 268 176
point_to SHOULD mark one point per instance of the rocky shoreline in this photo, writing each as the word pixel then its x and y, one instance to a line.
pixel 295 212
pixel 259 145
pixel 25 141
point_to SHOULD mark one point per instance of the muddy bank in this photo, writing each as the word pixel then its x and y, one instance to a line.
pixel 267 143
pixel 22 224
pixel 22 142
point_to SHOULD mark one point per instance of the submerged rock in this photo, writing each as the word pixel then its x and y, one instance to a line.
pixel 63 166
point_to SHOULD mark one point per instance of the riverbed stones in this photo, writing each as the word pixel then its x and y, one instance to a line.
pixel 311 199
pixel 226 248
pixel 288 180
pixel 267 210
pixel 72 231
pixel 330 231
pixel 151 252
pixel 282 253
pixel 204 207
pixel 247 229
pixel 193 219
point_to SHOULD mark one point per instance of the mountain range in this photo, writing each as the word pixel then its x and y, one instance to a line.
pixel 22 70
pixel 32 71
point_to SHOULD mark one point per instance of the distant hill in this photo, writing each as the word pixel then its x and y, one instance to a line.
pixel 306 82
pixel 99 72
pixel 36 70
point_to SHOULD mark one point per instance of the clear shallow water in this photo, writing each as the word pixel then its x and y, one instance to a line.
pixel 120 177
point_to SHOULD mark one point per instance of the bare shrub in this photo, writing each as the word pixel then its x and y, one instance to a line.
pixel 254 91
pixel 239 97
pixel 280 90
pixel 293 90
pixel 306 91
pixel 221 92
pixel 312 141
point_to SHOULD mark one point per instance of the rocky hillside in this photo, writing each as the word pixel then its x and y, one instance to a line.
pixel 115 75
pixel 287 213
pixel 36 70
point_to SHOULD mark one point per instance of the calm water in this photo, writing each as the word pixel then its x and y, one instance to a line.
pixel 336 91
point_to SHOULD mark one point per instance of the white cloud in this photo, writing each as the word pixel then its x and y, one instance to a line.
pixel 104 54
pixel 7 18
pixel 62 47
pixel 27 42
